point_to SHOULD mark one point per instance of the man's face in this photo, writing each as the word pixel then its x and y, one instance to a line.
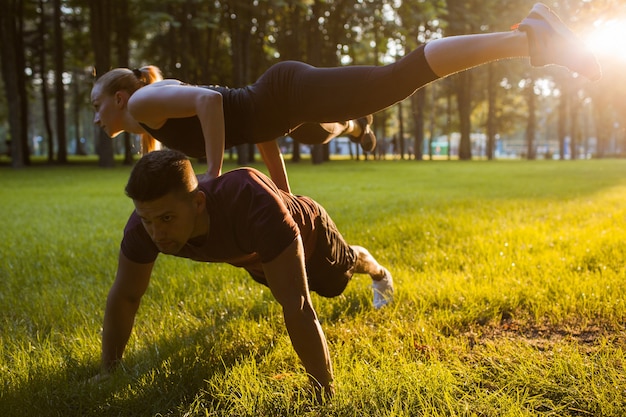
pixel 172 220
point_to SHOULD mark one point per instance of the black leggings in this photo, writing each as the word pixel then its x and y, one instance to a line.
pixel 291 93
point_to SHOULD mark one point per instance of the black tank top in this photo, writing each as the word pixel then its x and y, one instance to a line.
pixel 185 134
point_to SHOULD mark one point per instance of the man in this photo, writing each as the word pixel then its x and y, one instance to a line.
pixel 286 242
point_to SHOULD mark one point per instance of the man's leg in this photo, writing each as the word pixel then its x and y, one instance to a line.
pixel 382 283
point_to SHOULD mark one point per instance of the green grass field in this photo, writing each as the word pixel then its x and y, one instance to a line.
pixel 510 298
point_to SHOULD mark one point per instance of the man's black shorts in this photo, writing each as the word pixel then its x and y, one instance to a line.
pixel 331 266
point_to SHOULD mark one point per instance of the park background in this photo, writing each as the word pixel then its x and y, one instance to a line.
pixel 511 298
pixel 53 49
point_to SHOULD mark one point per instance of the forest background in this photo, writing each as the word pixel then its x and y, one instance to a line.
pixel 52 50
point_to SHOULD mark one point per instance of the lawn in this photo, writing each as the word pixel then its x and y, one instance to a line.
pixel 510 298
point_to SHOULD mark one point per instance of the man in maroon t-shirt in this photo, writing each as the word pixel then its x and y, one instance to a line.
pixel 286 242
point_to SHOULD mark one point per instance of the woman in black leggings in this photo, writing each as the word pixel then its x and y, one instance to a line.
pixel 313 105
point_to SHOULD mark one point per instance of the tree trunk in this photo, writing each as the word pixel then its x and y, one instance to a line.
pixel 122 40
pixel 10 35
pixel 419 100
pixel 449 123
pixel 296 155
pixel 491 112
pixel 574 129
pixel 21 85
pixel 464 106
pixel 240 26
pixel 314 48
pixel 59 88
pixel 44 81
pixel 100 19
pixel 531 125
pixel 562 123
pixel 603 133
pixel 79 148
pixel 432 119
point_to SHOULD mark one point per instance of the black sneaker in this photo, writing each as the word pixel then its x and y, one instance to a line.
pixel 367 140
pixel 550 41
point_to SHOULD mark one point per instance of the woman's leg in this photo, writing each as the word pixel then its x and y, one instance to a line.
pixel 453 54
pixel 344 93
pixel 318 133
pixel 291 93
pixel 358 130
pixel 542 36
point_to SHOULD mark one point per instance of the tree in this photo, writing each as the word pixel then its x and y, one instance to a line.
pixel 314 53
pixel 562 127
pixel 531 126
pixel 419 101
pixel 232 42
pixel 240 21
pixel 59 87
pixel 122 24
pixel 491 111
pixel 418 22
pixel 77 40
pixel 43 73
pixel 12 57
pixel 460 18
pixel 100 19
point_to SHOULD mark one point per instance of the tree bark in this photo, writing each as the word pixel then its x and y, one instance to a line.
pixel 562 123
pixel 419 101
pixel 531 125
pixel 10 49
pixel 59 89
pixel 491 112
pixel 463 88
pixel 100 19
pixel 44 82
pixel 122 24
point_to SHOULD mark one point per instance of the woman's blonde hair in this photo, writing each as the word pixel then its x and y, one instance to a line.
pixel 125 79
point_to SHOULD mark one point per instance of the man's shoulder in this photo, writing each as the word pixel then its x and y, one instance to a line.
pixel 136 244
pixel 238 179
pixel 245 172
pixel 133 222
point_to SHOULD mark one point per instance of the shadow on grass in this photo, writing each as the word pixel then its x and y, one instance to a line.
pixel 162 378
pixel 148 387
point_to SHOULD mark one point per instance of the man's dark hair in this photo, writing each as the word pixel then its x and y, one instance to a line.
pixel 159 173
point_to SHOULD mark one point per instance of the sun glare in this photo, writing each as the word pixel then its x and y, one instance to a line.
pixel 609 38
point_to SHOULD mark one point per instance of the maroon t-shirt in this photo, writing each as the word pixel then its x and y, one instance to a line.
pixel 250 221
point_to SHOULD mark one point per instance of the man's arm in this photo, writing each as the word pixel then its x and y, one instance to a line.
pixel 286 276
pixel 123 301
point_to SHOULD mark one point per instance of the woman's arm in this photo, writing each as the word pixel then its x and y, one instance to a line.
pixel 273 158
pixel 155 103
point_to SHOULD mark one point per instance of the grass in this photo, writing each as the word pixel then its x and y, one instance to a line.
pixel 511 299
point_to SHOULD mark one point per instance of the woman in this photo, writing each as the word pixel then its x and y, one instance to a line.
pixel 203 121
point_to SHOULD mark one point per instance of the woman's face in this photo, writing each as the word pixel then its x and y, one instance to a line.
pixel 109 111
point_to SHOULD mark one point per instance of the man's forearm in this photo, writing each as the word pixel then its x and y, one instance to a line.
pixel 310 344
pixel 119 318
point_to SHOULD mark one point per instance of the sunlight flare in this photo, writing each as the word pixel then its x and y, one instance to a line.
pixel 608 38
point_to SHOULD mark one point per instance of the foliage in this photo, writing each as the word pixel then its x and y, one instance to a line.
pixel 231 42
pixel 510 299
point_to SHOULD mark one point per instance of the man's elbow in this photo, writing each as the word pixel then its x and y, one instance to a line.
pixel 119 298
pixel 299 309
